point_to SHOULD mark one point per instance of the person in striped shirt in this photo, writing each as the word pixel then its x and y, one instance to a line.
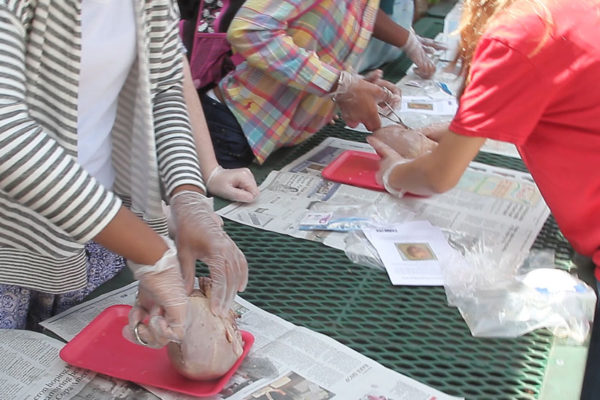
pixel 94 135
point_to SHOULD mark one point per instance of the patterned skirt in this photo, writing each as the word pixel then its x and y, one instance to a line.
pixel 23 308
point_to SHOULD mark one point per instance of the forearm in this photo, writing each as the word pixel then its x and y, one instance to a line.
pixel 387 30
pixel 204 147
pixel 129 236
pixel 441 169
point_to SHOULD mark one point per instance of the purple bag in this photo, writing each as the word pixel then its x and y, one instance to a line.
pixel 210 55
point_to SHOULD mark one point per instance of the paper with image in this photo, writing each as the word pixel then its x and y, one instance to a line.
pixel 412 252
pixel 428 105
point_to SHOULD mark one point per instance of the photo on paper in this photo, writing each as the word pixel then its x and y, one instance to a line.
pixel 291 387
pixel 417 105
pixel 415 251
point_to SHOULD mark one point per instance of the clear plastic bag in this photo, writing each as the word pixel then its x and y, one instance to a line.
pixel 358 248
pixel 497 298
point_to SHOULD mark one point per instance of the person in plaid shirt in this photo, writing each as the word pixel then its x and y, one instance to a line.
pixel 298 63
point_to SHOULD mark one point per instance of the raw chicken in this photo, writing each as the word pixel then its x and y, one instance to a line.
pixel 211 344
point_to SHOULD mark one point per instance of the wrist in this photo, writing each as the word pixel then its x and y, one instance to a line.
pixel 342 85
pixel 187 188
pixel 387 177
pixel 215 172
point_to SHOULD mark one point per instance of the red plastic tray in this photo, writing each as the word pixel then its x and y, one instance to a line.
pixel 357 168
pixel 101 347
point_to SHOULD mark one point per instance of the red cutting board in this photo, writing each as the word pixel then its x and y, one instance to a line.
pixel 101 347
pixel 357 168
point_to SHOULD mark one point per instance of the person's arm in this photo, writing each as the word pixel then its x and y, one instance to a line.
pixel 232 184
pixel 387 30
pixel 259 34
pixel 432 173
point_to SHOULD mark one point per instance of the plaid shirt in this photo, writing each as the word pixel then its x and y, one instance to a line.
pixel 294 51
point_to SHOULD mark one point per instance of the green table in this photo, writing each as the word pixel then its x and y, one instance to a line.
pixel 408 329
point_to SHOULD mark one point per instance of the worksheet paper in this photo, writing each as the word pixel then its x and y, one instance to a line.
pixel 412 252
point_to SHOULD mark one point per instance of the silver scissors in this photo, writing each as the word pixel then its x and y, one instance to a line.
pixel 391 113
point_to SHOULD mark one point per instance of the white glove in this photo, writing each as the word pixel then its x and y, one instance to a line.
pixel 200 236
pixel 415 51
pixel 357 99
pixel 163 303
pixel 232 184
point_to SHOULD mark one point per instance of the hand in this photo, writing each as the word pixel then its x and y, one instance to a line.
pixel 390 159
pixel 357 100
pixel 430 45
pixel 407 143
pixel 415 51
pixel 393 93
pixel 162 302
pixel 233 184
pixel 200 236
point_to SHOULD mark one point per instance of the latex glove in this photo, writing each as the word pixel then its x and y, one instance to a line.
pixel 407 143
pixel 430 45
pixel 393 93
pixel 357 100
pixel 390 159
pixel 415 51
pixel 163 301
pixel 200 236
pixel 233 184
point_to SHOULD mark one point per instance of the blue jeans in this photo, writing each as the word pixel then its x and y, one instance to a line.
pixel 231 146
pixel 591 379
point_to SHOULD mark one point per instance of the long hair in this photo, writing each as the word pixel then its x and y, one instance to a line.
pixel 478 15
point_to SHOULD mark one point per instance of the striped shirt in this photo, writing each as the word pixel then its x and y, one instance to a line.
pixel 49 205
pixel 294 51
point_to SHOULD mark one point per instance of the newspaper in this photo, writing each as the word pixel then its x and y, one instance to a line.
pixel 30 369
pixel 502 206
pixel 285 359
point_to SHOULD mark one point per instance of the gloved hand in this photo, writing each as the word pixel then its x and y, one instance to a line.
pixel 200 236
pixel 233 184
pixel 393 97
pixel 415 51
pixel 163 302
pixel 390 159
pixel 357 100
pixel 407 143
pixel 430 45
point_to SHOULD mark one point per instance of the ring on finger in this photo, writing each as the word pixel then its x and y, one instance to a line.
pixel 136 333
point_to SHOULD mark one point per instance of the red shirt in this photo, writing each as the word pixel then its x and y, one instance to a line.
pixel 546 100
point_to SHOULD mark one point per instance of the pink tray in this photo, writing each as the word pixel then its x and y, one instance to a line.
pixel 357 168
pixel 101 347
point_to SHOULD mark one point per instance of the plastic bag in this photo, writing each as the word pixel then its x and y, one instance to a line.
pixel 497 298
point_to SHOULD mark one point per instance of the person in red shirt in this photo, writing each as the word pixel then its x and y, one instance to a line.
pixel 532 78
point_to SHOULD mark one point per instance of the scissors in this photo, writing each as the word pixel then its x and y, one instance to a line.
pixel 390 111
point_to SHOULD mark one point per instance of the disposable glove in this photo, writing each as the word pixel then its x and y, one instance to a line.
pixel 393 97
pixel 415 51
pixel 233 184
pixel 200 236
pixel 407 143
pixel 390 159
pixel 159 315
pixel 357 100
pixel 430 45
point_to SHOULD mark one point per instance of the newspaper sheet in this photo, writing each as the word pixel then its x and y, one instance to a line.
pixel 285 359
pixel 30 369
pixel 502 206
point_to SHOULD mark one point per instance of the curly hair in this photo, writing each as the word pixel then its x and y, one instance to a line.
pixel 478 15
